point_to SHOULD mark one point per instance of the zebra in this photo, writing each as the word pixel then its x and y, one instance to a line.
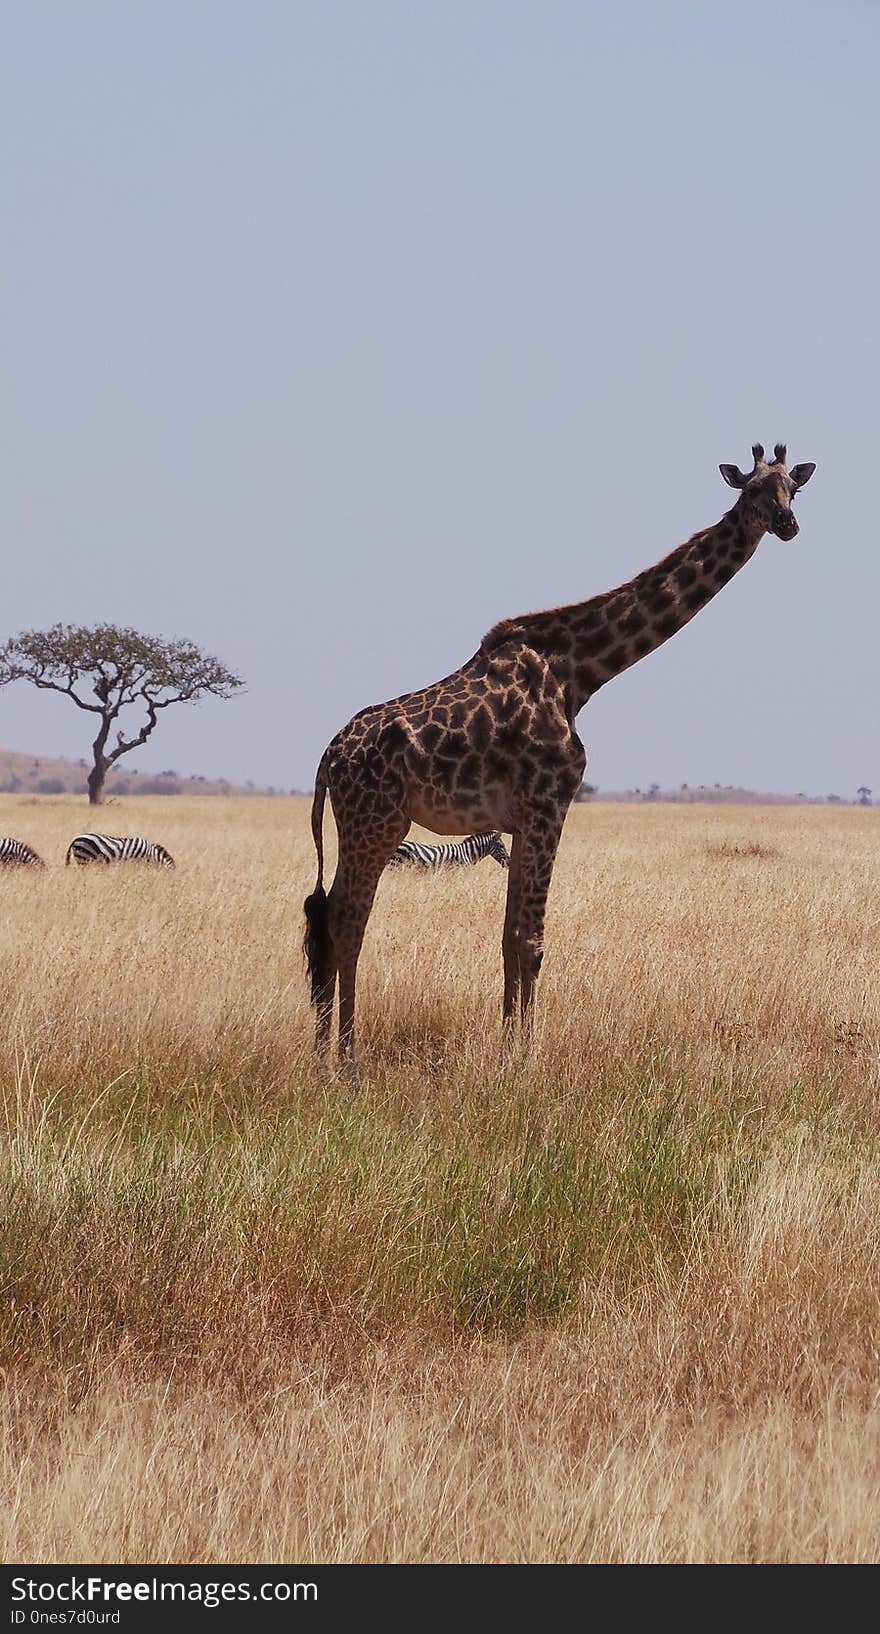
pixel 15 854
pixel 473 849
pixel 110 848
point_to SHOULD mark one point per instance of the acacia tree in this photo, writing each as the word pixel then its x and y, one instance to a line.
pixel 119 669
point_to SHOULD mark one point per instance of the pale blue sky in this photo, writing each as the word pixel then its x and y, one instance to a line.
pixel 334 333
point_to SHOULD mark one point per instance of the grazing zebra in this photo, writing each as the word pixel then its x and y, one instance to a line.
pixel 473 849
pixel 15 854
pixel 110 848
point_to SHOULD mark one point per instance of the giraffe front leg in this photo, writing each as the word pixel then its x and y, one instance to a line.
pixel 510 937
pixel 539 854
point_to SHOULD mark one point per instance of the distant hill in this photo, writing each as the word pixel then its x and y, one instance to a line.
pixel 48 774
pixel 52 774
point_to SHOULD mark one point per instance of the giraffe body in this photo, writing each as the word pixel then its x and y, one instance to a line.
pixel 494 744
pixel 465 753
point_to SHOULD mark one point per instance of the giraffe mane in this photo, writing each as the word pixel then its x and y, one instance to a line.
pixel 507 629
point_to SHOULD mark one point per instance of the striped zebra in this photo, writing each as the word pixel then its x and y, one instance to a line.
pixel 471 850
pixel 15 854
pixel 110 848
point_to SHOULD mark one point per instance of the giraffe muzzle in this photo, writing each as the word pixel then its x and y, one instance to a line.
pixel 785 525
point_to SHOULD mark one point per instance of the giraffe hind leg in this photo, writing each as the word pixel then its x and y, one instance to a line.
pixel 324 1014
pixel 350 902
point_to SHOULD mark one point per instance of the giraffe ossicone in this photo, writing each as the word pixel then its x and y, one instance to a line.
pixel 494 745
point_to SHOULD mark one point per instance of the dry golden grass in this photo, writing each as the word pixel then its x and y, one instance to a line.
pixel 616 1299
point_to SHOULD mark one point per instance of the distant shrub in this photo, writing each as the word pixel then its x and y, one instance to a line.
pixel 749 848
pixel 50 785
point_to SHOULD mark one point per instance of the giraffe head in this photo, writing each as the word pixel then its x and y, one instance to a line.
pixel 768 490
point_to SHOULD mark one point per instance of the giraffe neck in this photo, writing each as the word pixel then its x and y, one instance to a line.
pixel 591 641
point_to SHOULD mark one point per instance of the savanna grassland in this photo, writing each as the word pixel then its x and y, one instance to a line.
pixel 617 1299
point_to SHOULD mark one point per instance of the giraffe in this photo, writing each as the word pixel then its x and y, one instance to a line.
pixel 494 745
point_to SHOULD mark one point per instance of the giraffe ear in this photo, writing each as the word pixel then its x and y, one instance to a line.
pixel 800 474
pixel 732 476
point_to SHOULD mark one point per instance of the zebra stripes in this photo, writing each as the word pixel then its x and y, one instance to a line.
pixel 108 848
pixel 471 850
pixel 15 854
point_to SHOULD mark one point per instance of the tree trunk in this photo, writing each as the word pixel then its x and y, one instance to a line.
pixel 95 782
pixel 98 773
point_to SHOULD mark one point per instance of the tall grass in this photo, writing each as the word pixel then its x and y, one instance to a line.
pixel 615 1298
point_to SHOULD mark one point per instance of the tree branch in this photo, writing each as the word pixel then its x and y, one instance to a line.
pixel 54 686
pixel 123 747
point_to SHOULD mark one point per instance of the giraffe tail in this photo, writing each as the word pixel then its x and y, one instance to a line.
pixel 317 945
